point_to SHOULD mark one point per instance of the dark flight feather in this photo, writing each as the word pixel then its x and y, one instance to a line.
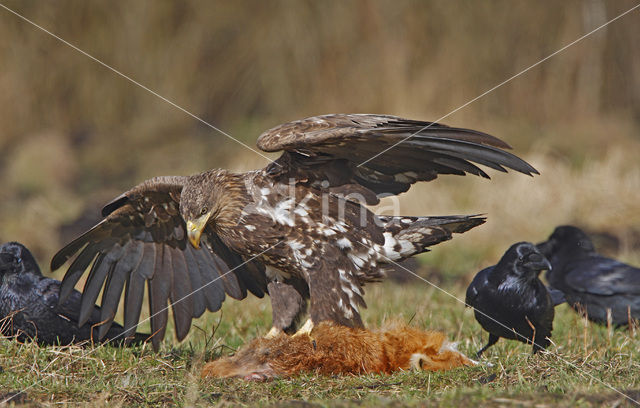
pixel 113 249
pixel 311 144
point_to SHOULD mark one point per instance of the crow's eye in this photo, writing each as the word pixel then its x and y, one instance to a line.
pixel 520 258
pixel 204 210
pixel 19 260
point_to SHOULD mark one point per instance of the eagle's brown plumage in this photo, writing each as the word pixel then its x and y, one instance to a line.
pixel 299 222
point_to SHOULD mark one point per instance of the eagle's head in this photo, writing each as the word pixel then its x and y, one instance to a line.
pixel 207 198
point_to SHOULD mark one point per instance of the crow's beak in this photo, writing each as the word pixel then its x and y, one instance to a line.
pixel 195 228
pixel 538 262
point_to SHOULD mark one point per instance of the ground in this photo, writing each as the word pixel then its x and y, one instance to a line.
pixel 584 364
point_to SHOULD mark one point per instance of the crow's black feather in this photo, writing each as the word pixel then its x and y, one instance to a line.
pixel 600 287
pixel 510 301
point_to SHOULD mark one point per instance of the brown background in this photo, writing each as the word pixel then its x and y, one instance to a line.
pixel 73 133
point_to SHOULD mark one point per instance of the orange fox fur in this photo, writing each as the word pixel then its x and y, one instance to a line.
pixel 333 349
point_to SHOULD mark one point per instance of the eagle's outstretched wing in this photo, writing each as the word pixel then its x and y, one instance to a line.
pixel 346 152
pixel 143 238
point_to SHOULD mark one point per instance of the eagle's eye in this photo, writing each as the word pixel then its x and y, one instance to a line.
pixel 204 210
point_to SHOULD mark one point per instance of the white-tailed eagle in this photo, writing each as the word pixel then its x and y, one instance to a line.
pixel 297 229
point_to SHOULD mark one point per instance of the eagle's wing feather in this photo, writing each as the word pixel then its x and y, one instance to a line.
pixel 143 239
pixel 342 149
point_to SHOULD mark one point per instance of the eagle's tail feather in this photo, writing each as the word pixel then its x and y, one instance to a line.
pixel 407 236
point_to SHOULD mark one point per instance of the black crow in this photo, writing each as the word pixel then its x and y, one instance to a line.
pixel 29 306
pixel 592 284
pixel 510 301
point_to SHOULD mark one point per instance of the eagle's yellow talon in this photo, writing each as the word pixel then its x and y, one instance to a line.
pixel 306 328
pixel 274 332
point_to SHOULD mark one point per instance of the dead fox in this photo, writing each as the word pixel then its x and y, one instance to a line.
pixel 333 349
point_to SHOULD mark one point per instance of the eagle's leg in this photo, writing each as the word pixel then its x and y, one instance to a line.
pixel 306 328
pixel 288 306
pixel 274 332
pixel 336 296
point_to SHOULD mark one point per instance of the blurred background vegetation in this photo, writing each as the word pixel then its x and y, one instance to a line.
pixel 74 134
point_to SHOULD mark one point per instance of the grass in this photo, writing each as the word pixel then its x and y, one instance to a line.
pixel 583 363
pixel 581 366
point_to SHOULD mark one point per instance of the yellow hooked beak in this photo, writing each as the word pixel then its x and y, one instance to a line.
pixel 195 228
